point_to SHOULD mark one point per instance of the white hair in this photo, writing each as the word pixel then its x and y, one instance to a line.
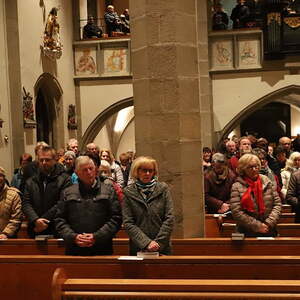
pixel 82 160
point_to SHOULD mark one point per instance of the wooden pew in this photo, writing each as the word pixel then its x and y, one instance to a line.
pixel 22 234
pixel 213 223
pixel 98 288
pixel 29 277
pixel 194 246
pixel 284 229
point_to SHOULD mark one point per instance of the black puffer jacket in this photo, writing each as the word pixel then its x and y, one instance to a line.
pixel 41 196
pixel 96 211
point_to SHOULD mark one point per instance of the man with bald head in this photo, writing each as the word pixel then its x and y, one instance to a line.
pixel 286 143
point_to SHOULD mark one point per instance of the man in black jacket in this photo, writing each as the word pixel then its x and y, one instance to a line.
pixel 89 214
pixel 42 191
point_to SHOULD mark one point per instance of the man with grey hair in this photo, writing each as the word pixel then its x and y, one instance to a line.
pixel 72 145
pixel 230 149
pixel 89 214
pixel 217 184
pixel 112 20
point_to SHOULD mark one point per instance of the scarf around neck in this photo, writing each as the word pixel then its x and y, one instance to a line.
pixel 254 187
pixel 146 189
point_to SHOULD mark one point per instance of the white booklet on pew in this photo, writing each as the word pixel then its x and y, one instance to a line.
pixel 130 258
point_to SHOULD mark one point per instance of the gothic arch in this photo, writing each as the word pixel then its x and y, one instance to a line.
pixel 95 127
pixel 48 93
pixel 288 95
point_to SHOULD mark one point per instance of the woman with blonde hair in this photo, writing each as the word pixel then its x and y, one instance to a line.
pixel 292 164
pixel 147 209
pixel 255 204
pixel 117 175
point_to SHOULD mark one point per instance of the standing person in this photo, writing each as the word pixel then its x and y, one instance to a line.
pixel 292 165
pixel 10 209
pixel 240 15
pixel 89 214
pixel 293 194
pixel 42 192
pixel 112 20
pixel 217 183
pixel 125 165
pixel 16 181
pixel 244 146
pixel 286 143
pixel 206 158
pixel 106 154
pixel 219 19
pixel 255 204
pixel 148 209
pixel 125 21
pixel 230 149
pixel 72 145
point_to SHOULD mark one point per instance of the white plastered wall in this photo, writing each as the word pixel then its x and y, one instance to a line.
pixel 97 96
pixel 31 28
pixel 5 148
pixel 235 92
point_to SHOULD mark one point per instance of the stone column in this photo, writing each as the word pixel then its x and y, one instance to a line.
pixel 169 88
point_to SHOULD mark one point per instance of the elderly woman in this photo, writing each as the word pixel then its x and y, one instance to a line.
pixel 254 202
pixel 147 209
pixel 117 175
pixel 217 185
pixel 292 164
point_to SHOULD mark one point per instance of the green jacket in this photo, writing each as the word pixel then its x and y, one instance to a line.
pixel 147 221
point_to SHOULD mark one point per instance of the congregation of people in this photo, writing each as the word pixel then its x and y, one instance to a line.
pixel 251 180
pixel 85 198
pixel 116 25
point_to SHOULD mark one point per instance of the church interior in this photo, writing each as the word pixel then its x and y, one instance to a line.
pixel 188 75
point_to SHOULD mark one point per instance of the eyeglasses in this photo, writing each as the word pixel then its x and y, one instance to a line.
pixel 146 170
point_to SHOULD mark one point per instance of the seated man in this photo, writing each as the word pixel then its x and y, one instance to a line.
pixel 91 30
pixel 10 209
pixel 217 184
pixel 89 214
pixel 42 192
pixel 112 20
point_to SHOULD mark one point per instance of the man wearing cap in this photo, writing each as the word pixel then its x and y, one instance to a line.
pixel 217 184
pixel 10 209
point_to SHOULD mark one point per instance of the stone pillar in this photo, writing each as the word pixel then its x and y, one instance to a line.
pixel 15 97
pixel 206 101
pixel 169 88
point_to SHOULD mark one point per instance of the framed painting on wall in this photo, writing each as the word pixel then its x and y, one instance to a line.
pixel 115 62
pixel 249 53
pixel 86 61
pixel 222 55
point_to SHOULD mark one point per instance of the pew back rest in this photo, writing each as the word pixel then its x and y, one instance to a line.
pixel 100 288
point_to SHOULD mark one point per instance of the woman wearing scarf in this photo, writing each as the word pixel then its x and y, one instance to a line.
pixel 255 204
pixel 148 209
